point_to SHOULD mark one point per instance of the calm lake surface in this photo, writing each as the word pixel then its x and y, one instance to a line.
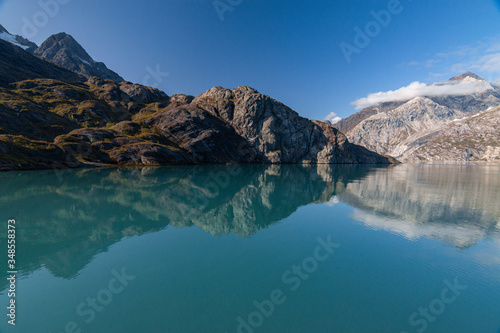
pixel 254 249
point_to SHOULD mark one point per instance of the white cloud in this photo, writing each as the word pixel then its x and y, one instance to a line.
pixel 332 118
pixel 482 56
pixel 490 63
pixel 467 86
pixel 427 64
pixel 494 47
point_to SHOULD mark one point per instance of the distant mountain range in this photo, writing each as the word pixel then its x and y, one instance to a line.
pixel 456 128
pixel 59 108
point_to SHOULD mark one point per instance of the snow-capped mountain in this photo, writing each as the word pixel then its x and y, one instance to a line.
pixel 65 51
pixel 419 131
pixel 17 40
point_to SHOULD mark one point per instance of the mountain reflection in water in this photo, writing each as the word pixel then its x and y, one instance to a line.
pixel 69 218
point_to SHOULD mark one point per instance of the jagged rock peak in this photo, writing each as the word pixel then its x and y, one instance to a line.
pixel 55 43
pixel 465 75
pixel 221 92
pixel 419 101
pixel 222 95
pixel 245 90
pixel 65 51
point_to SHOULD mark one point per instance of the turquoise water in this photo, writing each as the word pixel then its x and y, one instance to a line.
pixel 254 249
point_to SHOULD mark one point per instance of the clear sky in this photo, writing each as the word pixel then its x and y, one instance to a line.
pixel 288 49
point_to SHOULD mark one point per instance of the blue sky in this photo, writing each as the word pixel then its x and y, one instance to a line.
pixel 288 49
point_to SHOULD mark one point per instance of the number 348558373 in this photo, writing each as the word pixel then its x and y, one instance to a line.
pixel 11 230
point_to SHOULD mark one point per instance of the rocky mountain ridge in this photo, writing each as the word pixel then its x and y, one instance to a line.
pixel 421 130
pixel 470 139
pixel 54 118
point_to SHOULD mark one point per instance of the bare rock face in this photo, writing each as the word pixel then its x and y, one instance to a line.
pixel 142 94
pixel 277 132
pixel 207 139
pixel 398 130
pixel 64 50
pixel 273 129
pixel 471 139
pixel 181 99
pixel 347 124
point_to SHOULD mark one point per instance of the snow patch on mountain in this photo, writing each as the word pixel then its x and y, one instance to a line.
pixel 12 39
pixel 85 62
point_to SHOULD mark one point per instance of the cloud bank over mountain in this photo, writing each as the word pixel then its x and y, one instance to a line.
pixel 448 88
